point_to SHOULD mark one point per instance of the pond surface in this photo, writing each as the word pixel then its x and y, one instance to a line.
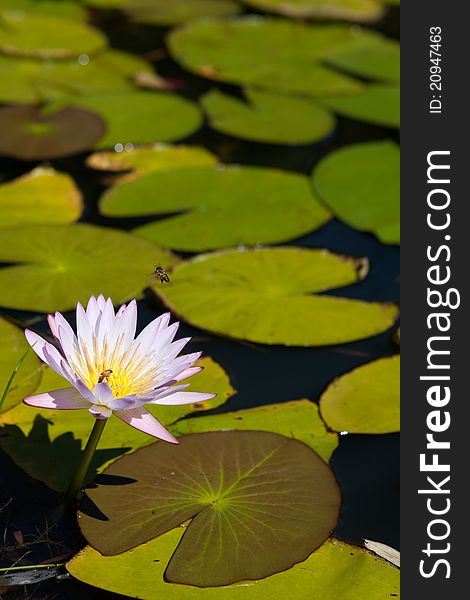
pixel 366 466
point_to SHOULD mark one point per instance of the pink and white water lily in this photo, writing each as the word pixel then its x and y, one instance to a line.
pixel 113 373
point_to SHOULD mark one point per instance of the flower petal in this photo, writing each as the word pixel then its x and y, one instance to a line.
pixel 53 326
pixel 49 354
pixel 141 419
pixel 103 393
pixel 183 398
pixel 100 412
pixel 64 399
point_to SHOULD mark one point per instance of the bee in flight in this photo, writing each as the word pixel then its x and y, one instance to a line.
pixel 161 275
pixel 104 376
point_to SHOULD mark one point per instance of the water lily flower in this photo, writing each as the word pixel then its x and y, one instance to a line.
pixel 113 373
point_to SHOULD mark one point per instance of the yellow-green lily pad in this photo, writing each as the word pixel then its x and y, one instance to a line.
pixel 377 104
pixel 47 36
pixel 259 502
pixel 141 117
pixel 64 8
pixel 274 54
pixel 13 345
pixel 271 296
pixel 155 157
pixel 47 443
pixel 268 118
pixel 55 266
pixel 267 206
pixel 360 184
pixel 336 571
pixel 365 400
pixel 348 10
pixel 298 419
pixel 42 196
pixel 166 14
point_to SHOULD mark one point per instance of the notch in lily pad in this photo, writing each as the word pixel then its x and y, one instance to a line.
pixel 30 133
pixel 259 503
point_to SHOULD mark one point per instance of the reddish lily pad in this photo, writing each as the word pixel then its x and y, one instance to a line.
pixel 30 134
pixel 259 503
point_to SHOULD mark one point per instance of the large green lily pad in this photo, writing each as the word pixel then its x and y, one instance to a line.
pixel 271 296
pixel 25 33
pixel 374 57
pixel 29 80
pixel 164 13
pixel 266 205
pixel 141 117
pixel 377 104
pixel 366 400
pixel 30 133
pixel 147 159
pixel 336 571
pixel 298 419
pixel 42 196
pixel 259 502
pixel 268 118
pixel 353 10
pixel 361 186
pixel 47 443
pixel 274 54
pixel 65 8
pixel 54 267
pixel 13 345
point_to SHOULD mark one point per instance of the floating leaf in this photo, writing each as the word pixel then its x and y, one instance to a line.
pixel 350 10
pixel 299 420
pixel 31 134
pixel 335 571
pixel 164 13
pixel 271 296
pixel 47 36
pixel 42 196
pixel 65 8
pixel 267 206
pixel 268 118
pixel 29 81
pixel 377 104
pixel 361 186
pixel 366 400
pixel 275 54
pixel 147 159
pixel 384 551
pixel 47 443
pixel 374 57
pixel 57 266
pixel 142 117
pixel 13 345
pixel 259 503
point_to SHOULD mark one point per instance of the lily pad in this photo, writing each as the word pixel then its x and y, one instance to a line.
pixel 268 118
pixel 65 8
pixel 335 571
pixel 28 80
pixel 298 419
pixel 259 502
pixel 274 54
pixel 271 296
pixel 147 159
pixel 47 36
pixel 141 117
pixel 349 10
pixel 166 14
pixel 47 443
pixel 42 196
pixel 376 104
pixel 54 267
pixel 361 186
pixel 267 205
pixel 374 57
pixel 28 133
pixel 366 400
pixel 13 345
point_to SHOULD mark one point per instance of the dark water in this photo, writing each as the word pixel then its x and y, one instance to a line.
pixel 367 467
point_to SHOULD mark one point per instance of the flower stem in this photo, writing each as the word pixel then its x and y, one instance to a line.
pixel 78 479
pixel 12 377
